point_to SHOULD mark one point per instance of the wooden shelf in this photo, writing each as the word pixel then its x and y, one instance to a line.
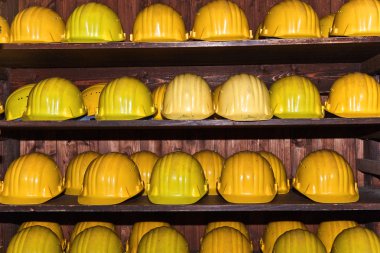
pixel 190 53
pixel 369 201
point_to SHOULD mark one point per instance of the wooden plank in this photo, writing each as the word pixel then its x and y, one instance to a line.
pixel 371 66
pixel 369 166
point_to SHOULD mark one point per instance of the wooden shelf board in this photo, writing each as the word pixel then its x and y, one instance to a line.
pixel 369 201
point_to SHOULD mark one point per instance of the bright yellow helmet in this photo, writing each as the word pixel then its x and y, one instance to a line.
pixel 328 231
pixel 139 229
pixel 326 177
pixel 279 171
pixel 158 100
pixel 110 179
pixel 225 239
pixel 81 226
pixel 232 224
pixel 355 95
pixel 35 239
pixel 91 97
pixel 244 97
pixel 326 24
pixel 145 161
pixel 291 19
pixel 92 23
pixel 37 25
pixel 298 241
pixel 125 98
pixel 357 18
pixel 247 178
pixel 163 239
pixel 55 227
pixel 76 170
pixel 54 99
pixel 4 30
pixel 221 20
pixel 212 164
pixel 96 239
pixel 31 179
pixel 177 178
pixel 274 230
pixel 295 97
pixel 16 103
pixel 356 240
pixel 187 97
pixel 158 23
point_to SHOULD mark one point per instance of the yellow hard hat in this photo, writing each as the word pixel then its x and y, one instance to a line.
pixel 163 239
pixel 295 97
pixel 158 23
pixel 139 229
pixel 35 239
pixel 55 227
pixel 16 103
pixel 328 231
pixel 31 179
pixel 257 33
pixel 125 98
pixel 96 239
pixel 247 178
pixel 187 97
pixel 298 241
pixel 4 30
pixel 54 99
pixel 94 22
pixel 110 179
pixel 1 108
pixel 145 161
pixel 243 98
pixel 91 97
pixel 357 18
pixel 212 164
pixel 177 178
pixel 81 226
pixel 225 239
pixel 37 24
pixel 233 224
pixel 215 96
pixel 326 24
pixel 221 20
pixel 274 230
pixel 279 171
pixel 355 95
pixel 356 240
pixel 76 170
pixel 291 19
pixel 326 177
pixel 158 100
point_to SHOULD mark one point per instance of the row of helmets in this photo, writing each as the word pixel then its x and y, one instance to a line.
pixel 219 20
pixel 340 236
pixel 177 178
pixel 242 97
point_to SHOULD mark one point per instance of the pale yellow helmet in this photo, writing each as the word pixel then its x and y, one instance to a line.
pixel 91 97
pixel 215 96
pixel 37 25
pixel 233 224
pixel 357 18
pixel 158 23
pixel 279 171
pixel 295 97
pixel 221 20
pixel 187 97
pixel 81 226
pixel 158 100
pixel 326 24
pixel 4 30
pixel 274 230
pixel 298 241
pixel 326 177
pixel 355 95
pixel 247 178
pixel 244 97
pixel 291 19
pixel 16 103
pixel 356 240
pixel 139 229
pixel 145 161
pixel 328 231
pixel 212 164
